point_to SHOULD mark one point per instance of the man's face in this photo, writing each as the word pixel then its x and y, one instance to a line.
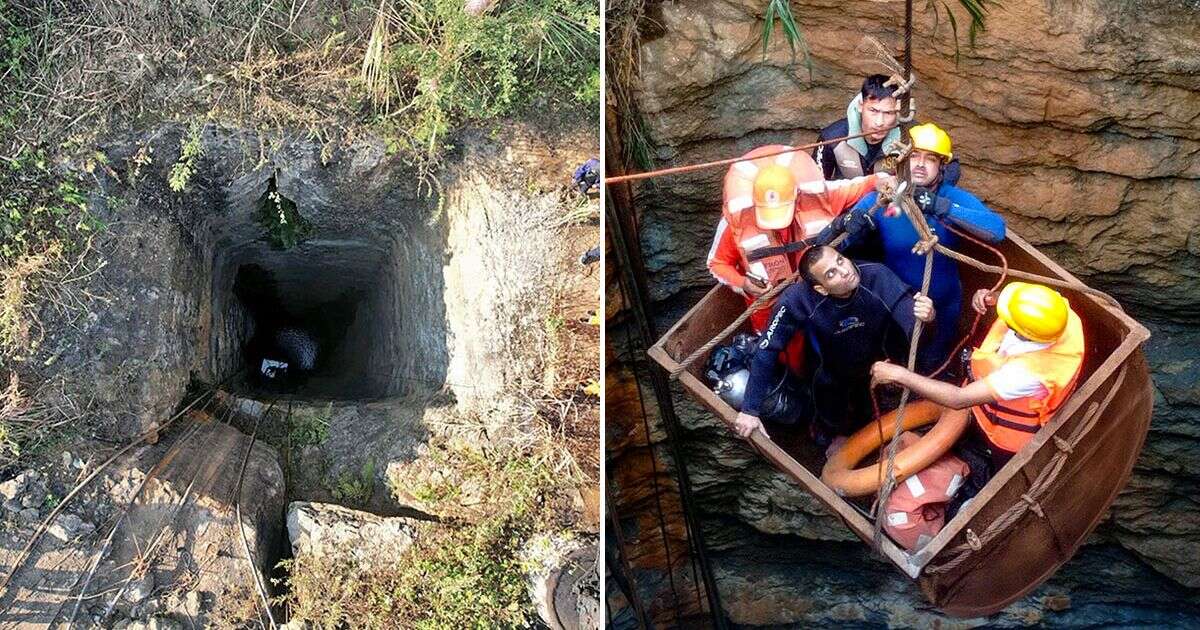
pixel 877 116
pixel 926 167
pixel 836 274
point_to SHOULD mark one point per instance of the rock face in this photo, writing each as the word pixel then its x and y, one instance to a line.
pixel 423 296
pixel 323 529
pixel 156 539
pixel 1077 121
pixel 189 495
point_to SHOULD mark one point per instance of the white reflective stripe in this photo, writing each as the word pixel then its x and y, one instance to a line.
pixel 817 188
pixel 712 251
pixel 955 483
pixel 755 242
pixel 814 227
pixel 783 159
pixel 758 269
pixel 915 486
pixel 746 168
pixel 897 518
pixel 737 204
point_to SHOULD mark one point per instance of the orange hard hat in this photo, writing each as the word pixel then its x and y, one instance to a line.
pixel 774 197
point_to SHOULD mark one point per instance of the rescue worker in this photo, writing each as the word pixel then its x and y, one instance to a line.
pixel 586 176
pixel 942 204
pixel 1020 375
pixel 873 111
pixel 790 202
pixel 846 309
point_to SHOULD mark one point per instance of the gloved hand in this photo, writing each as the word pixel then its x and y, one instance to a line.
pixel 853 222
pixel 930 203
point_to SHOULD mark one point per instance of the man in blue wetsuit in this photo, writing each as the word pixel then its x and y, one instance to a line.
pixel 846 308
pixel 942 204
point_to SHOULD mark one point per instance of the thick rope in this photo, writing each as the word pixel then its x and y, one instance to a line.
pixel 927 241
pixel 889 481
pixel 676 170
pixel 1025 275
pixel 1031 500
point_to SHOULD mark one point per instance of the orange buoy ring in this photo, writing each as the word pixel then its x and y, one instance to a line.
pixel 841 475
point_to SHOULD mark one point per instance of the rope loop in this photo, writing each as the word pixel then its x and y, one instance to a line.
pixel 1033 505
pixel 1063 445
pixel 973 540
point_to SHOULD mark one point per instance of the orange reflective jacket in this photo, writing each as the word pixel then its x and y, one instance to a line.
pixel 817 203
pixel 1010 424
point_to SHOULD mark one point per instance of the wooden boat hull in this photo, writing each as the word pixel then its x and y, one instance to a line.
pixel 1034 546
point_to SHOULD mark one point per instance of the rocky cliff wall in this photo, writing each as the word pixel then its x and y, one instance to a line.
pixel 1078 121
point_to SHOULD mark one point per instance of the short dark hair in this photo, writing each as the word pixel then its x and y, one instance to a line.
pixel 810 258
pixel 873 88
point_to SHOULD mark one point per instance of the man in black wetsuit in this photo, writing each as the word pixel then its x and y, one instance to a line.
pixel 846 309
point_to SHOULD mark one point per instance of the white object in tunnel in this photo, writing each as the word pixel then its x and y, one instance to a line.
pixel 272 369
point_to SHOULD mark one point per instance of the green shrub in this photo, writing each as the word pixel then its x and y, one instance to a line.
pixel 281 219
pixel 190 150
pixel 450 68
pixel 463 574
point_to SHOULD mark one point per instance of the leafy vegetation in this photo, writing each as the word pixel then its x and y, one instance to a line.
pixel 280 218
pixel 445 67
pixel 309 427
pixel 467 573
pixel 355 488
pixel 44 221
pixel 189 151
pixel 782 10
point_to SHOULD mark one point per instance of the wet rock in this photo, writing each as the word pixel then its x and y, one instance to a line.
pixel 839 585
pixel 324 529
pixel 30 515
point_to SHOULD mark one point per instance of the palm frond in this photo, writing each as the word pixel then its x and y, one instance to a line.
pixel 782 10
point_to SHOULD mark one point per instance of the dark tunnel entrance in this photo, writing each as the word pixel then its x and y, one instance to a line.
pixel 296 339
pixel 366 316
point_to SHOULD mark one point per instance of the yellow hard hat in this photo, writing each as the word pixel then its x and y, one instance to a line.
pixel 1035 312
pixel 774 197
pixel 930 137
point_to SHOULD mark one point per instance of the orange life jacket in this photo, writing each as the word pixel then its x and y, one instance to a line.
pixel 1010 424
pixel 916 509
pixel 738 211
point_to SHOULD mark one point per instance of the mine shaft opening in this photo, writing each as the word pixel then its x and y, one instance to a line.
pixel 327 320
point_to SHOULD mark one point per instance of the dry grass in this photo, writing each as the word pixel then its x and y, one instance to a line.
pixel 27 421
pixel 45 279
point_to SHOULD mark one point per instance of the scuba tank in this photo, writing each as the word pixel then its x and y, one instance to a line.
pixel 732 387
pixel 728 372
